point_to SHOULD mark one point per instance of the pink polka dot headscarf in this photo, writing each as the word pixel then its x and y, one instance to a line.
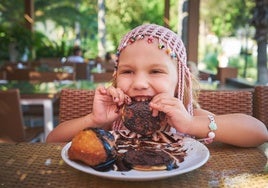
pixel 173 46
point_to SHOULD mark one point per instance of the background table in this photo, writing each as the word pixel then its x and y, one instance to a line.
pixel 28 87
pixel 45 94
pixel 47 104
pixel 40 165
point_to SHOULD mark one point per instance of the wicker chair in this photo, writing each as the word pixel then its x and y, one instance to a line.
pixel 227 101
pixel 260 110
pixel 75 103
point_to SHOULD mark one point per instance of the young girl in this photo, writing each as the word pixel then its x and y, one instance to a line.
pixel 151 65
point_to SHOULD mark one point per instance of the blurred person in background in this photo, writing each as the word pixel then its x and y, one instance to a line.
pixel 76 56
pixel 109 61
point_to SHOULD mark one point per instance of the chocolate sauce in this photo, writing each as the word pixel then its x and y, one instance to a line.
pixel 163 149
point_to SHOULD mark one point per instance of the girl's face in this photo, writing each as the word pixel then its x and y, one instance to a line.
pixel 144 70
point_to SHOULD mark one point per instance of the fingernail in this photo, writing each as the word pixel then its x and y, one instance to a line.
pixel 128 100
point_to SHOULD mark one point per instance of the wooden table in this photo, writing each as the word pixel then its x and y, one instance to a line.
pixel 41 165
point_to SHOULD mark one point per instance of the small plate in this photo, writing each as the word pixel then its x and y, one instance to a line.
pixel 197 155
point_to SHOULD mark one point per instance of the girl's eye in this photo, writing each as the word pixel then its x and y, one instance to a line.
pixel 156 71
pixel 126 72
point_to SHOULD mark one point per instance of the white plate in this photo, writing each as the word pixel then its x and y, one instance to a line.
pixel 197 155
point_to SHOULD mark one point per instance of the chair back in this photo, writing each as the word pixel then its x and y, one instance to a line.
pixel 227 101
pixel 75 103
pixel 260 110
pixel 81 71
pixel 17 74
pixel 50 61
pixel 50 76
pixel 101 77
pixel 11 119
pixel 3 75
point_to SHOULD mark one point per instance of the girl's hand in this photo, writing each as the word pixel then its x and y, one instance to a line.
pixel 177 115
pixel 106 104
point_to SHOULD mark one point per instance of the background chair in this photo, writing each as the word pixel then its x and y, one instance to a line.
pixel 101 77
pixel 75 103
pixel 50 76
pixel 11 120
pixel 227 101
pixel 17 74
pixel 81 71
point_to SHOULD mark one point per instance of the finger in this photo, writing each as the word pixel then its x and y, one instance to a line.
pixel 167 101
pixel 127 99
pixel 154 110
pixel 166 106
pixel 101 90
pixel 113 92
pixel 160 97
pixel 121 96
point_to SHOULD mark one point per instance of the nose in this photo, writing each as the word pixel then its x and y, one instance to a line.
pixel 140 82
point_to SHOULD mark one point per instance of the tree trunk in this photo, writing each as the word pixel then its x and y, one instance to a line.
pixel 262 63
pixel 29 14
pixel 260 21
pixel 166 13
pixel 101 28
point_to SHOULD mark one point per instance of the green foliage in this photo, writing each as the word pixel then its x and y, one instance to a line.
pixel 223 18
pixel 66 14
pixel 63 13
pixel 240 60
pixel 11 12
pixel 4 42
pixel 46 48
pixel 12 28
pixel 210 57
pixel 211 61
pixel 122 16
pixel 17 35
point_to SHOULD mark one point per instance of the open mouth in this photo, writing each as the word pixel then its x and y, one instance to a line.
pixel 141 99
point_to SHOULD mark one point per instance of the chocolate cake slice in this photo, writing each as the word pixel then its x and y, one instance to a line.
pixel 149 160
